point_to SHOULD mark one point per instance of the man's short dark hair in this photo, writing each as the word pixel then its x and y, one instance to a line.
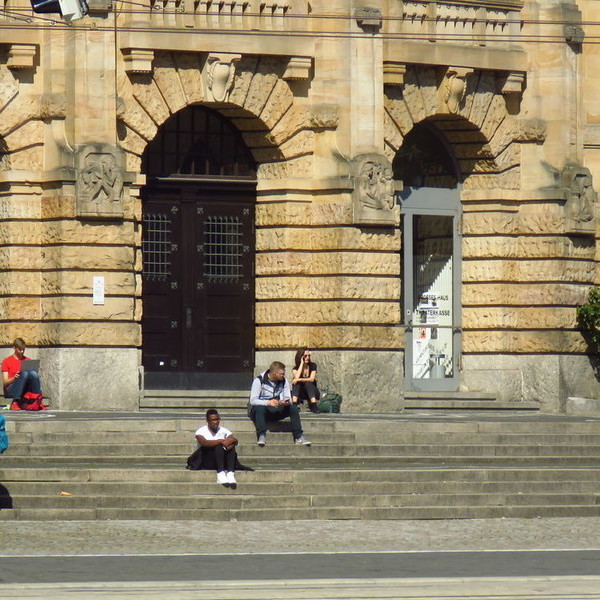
pixel 276 366
pixel 19 343
pixel 210 412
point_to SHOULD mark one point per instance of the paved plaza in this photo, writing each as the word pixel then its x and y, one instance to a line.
pixel 32 538
pixel 493 558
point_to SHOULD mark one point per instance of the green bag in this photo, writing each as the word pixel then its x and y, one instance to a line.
pixel 329 403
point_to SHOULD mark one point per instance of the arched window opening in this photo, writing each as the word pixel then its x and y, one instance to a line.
pixel 198 141
pixel 424 160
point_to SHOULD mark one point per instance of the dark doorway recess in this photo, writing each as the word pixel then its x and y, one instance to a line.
pixel 198 255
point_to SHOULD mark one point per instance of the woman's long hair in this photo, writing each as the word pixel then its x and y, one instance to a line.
pixel 299 355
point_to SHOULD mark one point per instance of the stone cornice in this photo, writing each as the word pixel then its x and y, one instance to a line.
pixel 405 51
pixel 502 4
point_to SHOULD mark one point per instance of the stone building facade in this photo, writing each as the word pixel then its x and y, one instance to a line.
pixel 191 188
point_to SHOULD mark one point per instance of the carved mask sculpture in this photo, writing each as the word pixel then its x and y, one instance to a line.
pixel 220 73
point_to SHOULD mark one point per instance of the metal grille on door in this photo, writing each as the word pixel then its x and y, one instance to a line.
pixel 223 249
pixel 156 247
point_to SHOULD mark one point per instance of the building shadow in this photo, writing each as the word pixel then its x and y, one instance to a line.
pixel 6 500
pixel 594 362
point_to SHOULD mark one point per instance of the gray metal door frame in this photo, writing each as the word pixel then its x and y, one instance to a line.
pixel 434 202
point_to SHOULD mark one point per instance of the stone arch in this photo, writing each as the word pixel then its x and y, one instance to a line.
pixel 4 156
pixel 21 127
pixel 260 104
pixel 477 124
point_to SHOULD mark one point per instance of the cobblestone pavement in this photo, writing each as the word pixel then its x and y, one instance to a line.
pixel 32 538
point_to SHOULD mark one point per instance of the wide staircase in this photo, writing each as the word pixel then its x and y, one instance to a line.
pixel 409 466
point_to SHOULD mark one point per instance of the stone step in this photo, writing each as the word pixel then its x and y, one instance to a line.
pixel 197 393
pixel 77 423
pixel 193 404
pixel 462 401
pixel 178 474
pixel 359 466
pixel 38 424
pixel 483 405
pixel 321 513
pixel 315 461
pixel 280 449
pixel 204 483
pixel 317 437
pixel 283 501
pixel 193 400
pixel 54 442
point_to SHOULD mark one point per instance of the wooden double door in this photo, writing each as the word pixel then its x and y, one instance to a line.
pixel 198 286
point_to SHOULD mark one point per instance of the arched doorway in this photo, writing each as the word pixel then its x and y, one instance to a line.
pixel 198 254
pixel 431 259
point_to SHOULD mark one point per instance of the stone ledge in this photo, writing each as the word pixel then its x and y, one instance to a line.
pixel 583 406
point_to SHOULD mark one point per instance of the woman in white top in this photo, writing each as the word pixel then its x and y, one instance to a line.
pixel 218 448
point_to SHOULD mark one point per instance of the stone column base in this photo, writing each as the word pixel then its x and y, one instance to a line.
pixel 90 378
pixel 368 380
pixel 547 379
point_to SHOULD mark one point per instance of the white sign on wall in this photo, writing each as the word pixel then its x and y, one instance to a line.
pixel 98 290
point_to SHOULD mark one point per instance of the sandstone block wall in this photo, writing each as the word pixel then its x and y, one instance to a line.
pixel 515 115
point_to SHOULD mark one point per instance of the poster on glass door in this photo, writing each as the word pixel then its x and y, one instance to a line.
pixel 432 316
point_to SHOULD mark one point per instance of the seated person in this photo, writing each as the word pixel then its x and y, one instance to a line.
pixel 18 385
pixel 217 446
pixel 3 436
pixel 270 400
pixel 304 380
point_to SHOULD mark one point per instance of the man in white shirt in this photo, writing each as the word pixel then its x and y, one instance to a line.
pixel 218 448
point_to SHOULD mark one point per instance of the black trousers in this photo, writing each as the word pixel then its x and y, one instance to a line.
pixel 218 458
pixel 261 414
pixel 305 390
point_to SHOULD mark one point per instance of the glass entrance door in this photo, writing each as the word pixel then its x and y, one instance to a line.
pixel 431 291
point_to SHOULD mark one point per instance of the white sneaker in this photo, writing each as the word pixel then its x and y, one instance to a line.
pixel 302 440
pixel 231 478
pixel 262 439
pixel 222 478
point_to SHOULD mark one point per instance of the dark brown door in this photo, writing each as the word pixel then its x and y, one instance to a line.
pixel 198 278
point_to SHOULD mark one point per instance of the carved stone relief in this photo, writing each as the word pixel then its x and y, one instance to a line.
pixel 374 200
pixel 368 17
pixel 99 185
pixel 453 89
pixel 218 76
pixel 581 200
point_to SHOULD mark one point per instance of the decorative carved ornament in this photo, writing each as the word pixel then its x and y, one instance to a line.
pixel 99 186
pixel 53 106
pixel 137 60
pixel 298 67
pixel 511 84
pixel 530 130
pixel 218 76
pixel 574 33
pixel 393 73
pixel 21 56
pixel 323 116
pixel 373 199
pixel 453 89
pixel 580 206
pixel 368 17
